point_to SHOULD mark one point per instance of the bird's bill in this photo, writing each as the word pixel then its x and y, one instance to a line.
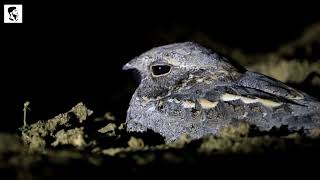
pixel 131 65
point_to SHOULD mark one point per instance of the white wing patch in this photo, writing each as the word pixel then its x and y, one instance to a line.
pixel 246 100
pixel 206 104
pixel 269 103
pixel 174 100
pixel 188 104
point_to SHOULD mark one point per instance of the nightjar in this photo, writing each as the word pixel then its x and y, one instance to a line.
pixel 188 89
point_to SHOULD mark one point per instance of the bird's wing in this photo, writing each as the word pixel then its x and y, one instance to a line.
pixel 246 95
pixel 260 82
pixel 250 88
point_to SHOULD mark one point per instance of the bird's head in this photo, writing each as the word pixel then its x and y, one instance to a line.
pixel 163 67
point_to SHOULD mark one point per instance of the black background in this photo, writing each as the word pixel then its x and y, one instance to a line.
pixel 67 52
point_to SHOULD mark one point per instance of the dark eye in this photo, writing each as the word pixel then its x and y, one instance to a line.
pixel 158 70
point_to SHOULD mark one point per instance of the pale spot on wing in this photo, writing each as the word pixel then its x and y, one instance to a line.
pixel 188 104
pixel 269 103
pixel 206 104
pixel 221 71
pixel 200 80
pixel 229 97
pixel 246 100
pixel 174 100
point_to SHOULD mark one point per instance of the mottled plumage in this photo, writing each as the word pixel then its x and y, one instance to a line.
pixel 187 89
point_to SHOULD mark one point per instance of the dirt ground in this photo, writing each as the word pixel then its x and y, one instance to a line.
pixel 77 143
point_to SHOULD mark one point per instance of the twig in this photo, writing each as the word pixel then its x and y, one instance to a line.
pixel 25 108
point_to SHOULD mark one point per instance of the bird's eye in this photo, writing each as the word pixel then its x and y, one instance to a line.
pixel 159 70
